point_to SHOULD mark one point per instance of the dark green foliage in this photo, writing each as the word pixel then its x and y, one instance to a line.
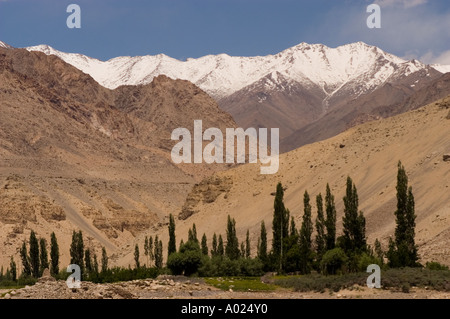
pixel 333 262
pixel 247 245
pixel 216 267
pixel 330 222
pixel 280 225
pixel 306 230
pixel 379 253
pixel 146 248
pixel 43 255
pixel 292 257
pixel 320 229
pixel 88 262
pixel 262 246
pixel 366 259
pixel 54 255
pixel 158 252
pixel 95 265
pixel 25 260
pixel 404 253
pixel 204 245
pixel 214 246
pixel 137 264
pixel 34 255
pixel 172 246
pixel 320 283
pixel 354 223
pixel 13 269
pixel 77 250
pixel 118 274
pixel 232 246
pixel 187 260
pixel 192 234
pixel 220 247
pixel 292 228
pixel 104 260
pixel 151 253
pixel 433 265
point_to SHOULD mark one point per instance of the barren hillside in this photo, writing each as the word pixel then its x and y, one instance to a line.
pixel 369 153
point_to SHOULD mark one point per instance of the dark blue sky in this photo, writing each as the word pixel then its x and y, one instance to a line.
pixel 194 28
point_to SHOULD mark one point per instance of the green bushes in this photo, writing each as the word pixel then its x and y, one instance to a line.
pixel 223 266
pixel 333 262
pixel 402 279
pixel 433 265
pixel 187 260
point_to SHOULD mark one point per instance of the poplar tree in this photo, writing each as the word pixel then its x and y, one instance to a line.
pixel 280 224
pixel 43 255
pixel 214 246
pixel 136 257
pixel 247 245
pixel 204 245
pixel 232 246
pixel 25 260
pixel 404 253
pixel 158 252
pixel 104 260
pixel 262 249
pixel 172 248
pixel 88 261
pixel 320 229
pixel 34 255
pixel 354 223
pixel 151 249
pixel 13 269
pixel 146 248
pixel 220 248
pixel 330 222
pixel 54 255
pixel 306 230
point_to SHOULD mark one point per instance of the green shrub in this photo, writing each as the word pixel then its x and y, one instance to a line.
pixel 365 260
pixel 333 262
pixel 433 265
pixel 187 261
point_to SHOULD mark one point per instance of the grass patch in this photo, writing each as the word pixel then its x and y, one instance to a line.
pixel 402 279
pixel 240 283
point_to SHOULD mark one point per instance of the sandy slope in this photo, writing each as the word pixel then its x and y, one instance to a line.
pixel 369 154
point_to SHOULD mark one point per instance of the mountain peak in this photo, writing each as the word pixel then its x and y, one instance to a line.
pixel 5 45
pixel 222 75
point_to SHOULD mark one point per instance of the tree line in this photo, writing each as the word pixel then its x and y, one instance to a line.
pixel 294 250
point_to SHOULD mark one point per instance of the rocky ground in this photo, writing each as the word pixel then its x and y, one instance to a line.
pixel 170 287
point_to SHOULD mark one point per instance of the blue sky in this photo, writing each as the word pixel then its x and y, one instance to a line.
pixel 194 28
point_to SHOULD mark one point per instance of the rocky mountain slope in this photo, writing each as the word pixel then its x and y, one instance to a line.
pixel 369 153
pixel 296 90
pixel 75 155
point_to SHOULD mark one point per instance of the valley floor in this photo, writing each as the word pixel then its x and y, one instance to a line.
pixel 183 288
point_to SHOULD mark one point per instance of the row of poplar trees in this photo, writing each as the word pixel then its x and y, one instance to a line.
pixel 293 250
pixel 296 250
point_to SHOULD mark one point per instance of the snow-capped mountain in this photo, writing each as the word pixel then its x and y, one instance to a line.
pixel 222 75
pixel 5 45
pixel 441 68
pixel 293 90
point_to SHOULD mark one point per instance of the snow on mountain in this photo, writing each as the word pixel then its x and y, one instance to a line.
pixel 441 68
pixel 222 75
pixel 5 45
